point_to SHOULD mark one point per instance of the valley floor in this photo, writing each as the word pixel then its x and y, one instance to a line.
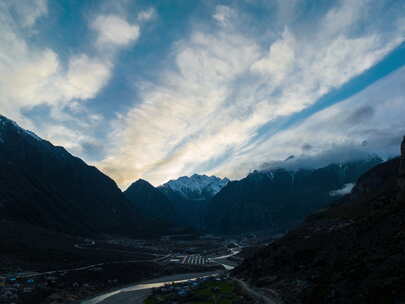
pixel 105 265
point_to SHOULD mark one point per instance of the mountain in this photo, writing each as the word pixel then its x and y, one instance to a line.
pixel 151 202
pixel 190 196
pixel 276 200
pixel 352 252
pixel 44 185
pixel 196 187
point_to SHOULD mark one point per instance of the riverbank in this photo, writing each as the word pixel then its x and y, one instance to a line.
pixel 138 292
pixel 219 289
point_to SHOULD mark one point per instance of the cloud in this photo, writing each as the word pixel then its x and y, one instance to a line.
pixel 346 189
pixel 333 133
pixel 306 147
pixel 114 30
pixel 337 153
pixel 146 15
pixel 172 124
pixel 33 75
pixel 219 98
pixel 27 11
pixel 81 84
pixel 222 85
pixel 223 15
pixel 361 115
pixel 279 61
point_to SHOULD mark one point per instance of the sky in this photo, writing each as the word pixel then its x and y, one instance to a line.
pixel 165 88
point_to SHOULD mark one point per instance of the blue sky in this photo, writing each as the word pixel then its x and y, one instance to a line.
pixel 161 89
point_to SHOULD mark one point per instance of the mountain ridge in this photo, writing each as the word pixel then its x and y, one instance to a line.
pixel 45 185
pixel 195 187
pixel 150 201
pixel 351 252
pixel 278 199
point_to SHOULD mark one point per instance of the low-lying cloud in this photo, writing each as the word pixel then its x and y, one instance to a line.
pixel 346 189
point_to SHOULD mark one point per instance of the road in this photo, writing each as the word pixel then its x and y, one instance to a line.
pixel 37 274
pixel 222 260
pixel 136 294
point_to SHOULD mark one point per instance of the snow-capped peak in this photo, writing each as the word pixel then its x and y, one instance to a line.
pixel 197 186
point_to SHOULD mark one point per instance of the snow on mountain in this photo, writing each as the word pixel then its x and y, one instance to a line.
pixel 195 187
pixel 5 123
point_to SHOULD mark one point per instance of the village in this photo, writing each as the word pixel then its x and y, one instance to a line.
pixel 29 288
pixel 212 289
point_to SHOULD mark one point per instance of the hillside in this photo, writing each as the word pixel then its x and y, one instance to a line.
pixel 150 202
pixel 353 252
pixel 45 186
pixel 276 200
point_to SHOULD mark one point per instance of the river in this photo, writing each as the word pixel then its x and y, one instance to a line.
pixel 137 293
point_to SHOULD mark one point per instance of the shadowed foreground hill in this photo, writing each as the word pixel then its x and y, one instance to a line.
pixel 46 186
pixel 353 252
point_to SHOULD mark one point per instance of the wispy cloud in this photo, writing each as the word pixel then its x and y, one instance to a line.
pixel 223 85
pixel 146 15
pixel 368 122
pixel 27 11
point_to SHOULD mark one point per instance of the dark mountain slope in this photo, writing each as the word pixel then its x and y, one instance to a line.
pixel 276 200
pixel 187 213
pixel 353 252
pixel 150 201
pixel 46 186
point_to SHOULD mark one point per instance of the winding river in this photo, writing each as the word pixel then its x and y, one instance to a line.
pixel 136 294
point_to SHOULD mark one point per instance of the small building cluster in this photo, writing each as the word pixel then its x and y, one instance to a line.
pixel 190 290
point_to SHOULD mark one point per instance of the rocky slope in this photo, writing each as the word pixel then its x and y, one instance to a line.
pixel 46 186
pixel 353 252
pixel 279 199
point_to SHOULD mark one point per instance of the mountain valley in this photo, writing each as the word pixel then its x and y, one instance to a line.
pixel 68 232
